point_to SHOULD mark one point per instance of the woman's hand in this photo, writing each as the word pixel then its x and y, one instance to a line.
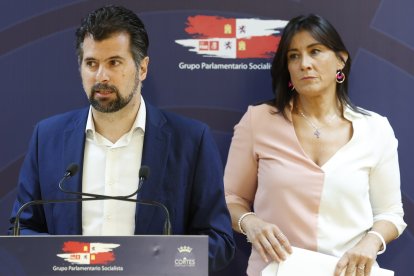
pixel 360 258
pixel 266 238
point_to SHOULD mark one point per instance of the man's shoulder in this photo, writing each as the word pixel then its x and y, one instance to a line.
pixel 176 120
pixel 65 118
pixel 182 119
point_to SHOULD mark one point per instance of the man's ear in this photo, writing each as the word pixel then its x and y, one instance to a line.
pixel 143 68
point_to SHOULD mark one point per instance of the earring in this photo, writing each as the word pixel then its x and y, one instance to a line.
pixel 291 87
pixel 340 76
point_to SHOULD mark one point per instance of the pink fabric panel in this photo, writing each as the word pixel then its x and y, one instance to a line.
pixel 265 150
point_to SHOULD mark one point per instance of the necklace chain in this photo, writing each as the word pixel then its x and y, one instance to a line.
pixel 316 129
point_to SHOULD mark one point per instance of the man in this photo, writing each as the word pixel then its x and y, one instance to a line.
pixel 110 141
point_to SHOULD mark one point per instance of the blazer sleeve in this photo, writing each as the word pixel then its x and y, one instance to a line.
pixel 210 215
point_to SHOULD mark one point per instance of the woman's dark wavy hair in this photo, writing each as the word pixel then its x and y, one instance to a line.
pixel 322 31
pixel 108 20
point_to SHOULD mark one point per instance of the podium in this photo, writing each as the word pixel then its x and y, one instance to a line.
pixel 104 255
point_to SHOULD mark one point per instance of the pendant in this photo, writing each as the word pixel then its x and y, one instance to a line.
pixel 317 133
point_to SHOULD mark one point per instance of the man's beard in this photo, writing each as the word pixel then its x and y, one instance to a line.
pixel 110 106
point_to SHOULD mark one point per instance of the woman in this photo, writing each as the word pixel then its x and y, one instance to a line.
pixel 319 172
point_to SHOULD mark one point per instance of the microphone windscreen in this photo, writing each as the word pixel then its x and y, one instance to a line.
pixel 72 169
pixel 144 172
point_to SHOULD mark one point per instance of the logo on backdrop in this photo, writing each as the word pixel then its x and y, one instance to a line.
pixel 88 253
pixel 231 38
pixel 85 256
pixel 184 257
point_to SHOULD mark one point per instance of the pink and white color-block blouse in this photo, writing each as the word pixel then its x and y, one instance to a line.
pixel 326 209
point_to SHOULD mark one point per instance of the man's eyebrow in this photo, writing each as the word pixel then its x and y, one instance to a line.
pixel 115 57
pixel 89 59
pixel 109 58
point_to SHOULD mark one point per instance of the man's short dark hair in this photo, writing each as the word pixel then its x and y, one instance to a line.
pixel 108 20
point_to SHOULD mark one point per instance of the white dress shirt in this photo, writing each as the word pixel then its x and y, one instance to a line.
pixel 111 169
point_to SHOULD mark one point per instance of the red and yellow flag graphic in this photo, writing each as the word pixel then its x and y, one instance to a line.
pixel 214 36
pixel 88 253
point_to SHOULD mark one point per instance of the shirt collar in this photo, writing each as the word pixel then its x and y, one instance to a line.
pixel 139 122
pixel 351 115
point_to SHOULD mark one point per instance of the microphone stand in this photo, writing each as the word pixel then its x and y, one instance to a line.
pixel 143 175
pixel 71 171
pixel 167 225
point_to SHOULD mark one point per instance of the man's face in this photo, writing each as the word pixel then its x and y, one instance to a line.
pixel 109 74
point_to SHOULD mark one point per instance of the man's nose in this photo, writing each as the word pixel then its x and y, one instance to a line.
pixel 102 75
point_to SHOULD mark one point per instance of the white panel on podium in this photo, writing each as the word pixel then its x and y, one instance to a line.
pixel 305 262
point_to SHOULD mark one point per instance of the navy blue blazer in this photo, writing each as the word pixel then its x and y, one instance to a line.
pixel 186 176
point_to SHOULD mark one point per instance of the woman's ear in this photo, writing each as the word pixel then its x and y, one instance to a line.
pixel 342 59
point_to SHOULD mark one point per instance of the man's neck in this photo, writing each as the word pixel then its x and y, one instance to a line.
pixel 114 125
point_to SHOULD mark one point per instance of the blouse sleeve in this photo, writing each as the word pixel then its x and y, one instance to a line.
pixel 385 192
pixel 240 176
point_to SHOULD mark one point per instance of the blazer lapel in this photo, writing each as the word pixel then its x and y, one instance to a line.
pixel 155 153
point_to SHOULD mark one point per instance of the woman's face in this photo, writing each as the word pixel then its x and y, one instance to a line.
pixel 312 66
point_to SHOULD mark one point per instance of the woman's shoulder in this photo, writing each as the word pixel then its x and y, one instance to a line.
pixel 372 119
pixel 365 114
pixel 262 108
pixel 261 116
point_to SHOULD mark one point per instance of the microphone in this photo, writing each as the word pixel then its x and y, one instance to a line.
pixel 71 170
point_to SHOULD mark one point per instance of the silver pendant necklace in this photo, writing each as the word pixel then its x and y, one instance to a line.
pixel 316 129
